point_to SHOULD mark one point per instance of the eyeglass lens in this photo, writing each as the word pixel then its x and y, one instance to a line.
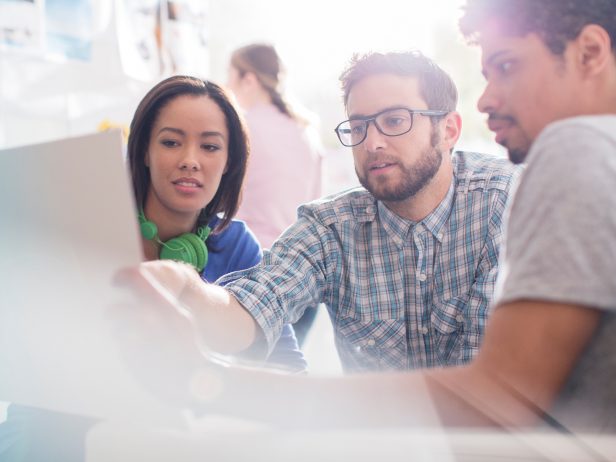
pixel 391 123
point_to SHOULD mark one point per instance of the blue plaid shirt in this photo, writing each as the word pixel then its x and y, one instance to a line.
pixel 400 294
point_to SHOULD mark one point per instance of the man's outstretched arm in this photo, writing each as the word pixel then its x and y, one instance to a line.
pixel 529 351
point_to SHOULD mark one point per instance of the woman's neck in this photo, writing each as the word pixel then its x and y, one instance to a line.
pixel 257 97
pixel 169 223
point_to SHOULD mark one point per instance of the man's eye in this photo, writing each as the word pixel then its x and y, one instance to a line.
pixel 505 67
pixel 394 121
pixel 358 129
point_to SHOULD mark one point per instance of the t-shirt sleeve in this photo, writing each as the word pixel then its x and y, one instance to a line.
pixel 561 235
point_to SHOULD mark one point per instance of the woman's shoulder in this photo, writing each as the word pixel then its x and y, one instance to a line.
pixel 235 230
pixel 235 238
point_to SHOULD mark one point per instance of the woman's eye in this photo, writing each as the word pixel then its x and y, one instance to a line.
pixel 169 143
pixel 210 147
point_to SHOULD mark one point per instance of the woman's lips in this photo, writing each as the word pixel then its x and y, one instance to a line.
pixel 187 185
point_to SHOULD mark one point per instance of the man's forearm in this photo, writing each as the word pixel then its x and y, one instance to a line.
pixel 224 324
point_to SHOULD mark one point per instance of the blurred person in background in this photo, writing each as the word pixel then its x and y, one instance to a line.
pixel 285 164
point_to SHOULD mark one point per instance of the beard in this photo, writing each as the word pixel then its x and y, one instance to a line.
pixel 517 156
pixel 414 178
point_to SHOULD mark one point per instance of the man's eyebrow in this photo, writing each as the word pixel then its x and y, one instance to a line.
pixel 490 60
pixel 496 55
pixel 369 116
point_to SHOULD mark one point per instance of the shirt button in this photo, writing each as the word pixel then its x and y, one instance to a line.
pixel 371 342
pixel 439 236
pixel 422 277
pixel 460 318
pixel 424 330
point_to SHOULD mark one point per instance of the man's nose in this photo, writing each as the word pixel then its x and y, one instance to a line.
pixel 488 102
pixel 374 138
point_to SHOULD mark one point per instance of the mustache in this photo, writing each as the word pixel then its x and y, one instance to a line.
pixel 495 117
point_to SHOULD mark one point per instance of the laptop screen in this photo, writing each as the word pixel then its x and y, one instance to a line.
pixel 68 224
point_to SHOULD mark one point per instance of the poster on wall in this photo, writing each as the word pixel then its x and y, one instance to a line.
pixel 138 39
pixel 22 26
pixel 184 34
pixel 69 28
pixel 49 29
pixel 162 37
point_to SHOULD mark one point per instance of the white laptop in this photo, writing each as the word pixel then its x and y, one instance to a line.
pixel 68 223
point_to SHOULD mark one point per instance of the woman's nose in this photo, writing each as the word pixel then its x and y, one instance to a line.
pixel 189 161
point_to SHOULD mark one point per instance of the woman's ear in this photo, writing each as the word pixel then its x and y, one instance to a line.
pixel 250 80
pixel 146 159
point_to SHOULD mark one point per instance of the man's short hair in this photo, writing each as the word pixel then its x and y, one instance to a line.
pixel 555 21
pixel 435 86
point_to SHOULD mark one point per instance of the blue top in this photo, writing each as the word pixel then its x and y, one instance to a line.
pixel 33 434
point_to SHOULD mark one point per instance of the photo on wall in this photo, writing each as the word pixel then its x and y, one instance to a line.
pixel 69 28
pixel 22 26
pixel 163 37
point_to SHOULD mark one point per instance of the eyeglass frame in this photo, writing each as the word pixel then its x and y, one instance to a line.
pixel 373 117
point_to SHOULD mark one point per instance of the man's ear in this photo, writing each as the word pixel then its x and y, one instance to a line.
pixel 452 127
pixel 594 49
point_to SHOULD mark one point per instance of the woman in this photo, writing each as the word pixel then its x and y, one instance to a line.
pixel 285 165
pixel 187 152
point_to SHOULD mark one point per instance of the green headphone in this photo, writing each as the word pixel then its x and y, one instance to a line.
pixel 188 247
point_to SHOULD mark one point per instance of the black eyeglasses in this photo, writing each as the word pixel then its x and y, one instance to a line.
pixel 390 122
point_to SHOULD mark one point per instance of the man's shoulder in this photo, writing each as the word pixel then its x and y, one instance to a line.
pixel 600 123
pixel 580 130
pixel 354 204
pixel 475 170
pixel 583 144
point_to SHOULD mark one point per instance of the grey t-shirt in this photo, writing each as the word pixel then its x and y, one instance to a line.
pixel 561 247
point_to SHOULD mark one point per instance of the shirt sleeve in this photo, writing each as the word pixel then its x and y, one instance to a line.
pixel 292 276
pixel 561 237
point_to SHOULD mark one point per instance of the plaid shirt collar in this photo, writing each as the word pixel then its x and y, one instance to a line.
pixel 399 228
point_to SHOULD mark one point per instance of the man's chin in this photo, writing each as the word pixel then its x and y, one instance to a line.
pixel 517 156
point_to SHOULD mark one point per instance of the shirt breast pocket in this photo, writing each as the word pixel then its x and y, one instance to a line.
pixel 371 338
pixel 449 323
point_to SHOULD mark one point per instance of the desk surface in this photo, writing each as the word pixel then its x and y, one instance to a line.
pixel 228 440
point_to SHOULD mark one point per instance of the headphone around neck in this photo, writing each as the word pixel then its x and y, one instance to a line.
pixel 188 247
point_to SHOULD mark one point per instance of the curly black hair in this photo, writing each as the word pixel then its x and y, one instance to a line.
pixel 555 21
